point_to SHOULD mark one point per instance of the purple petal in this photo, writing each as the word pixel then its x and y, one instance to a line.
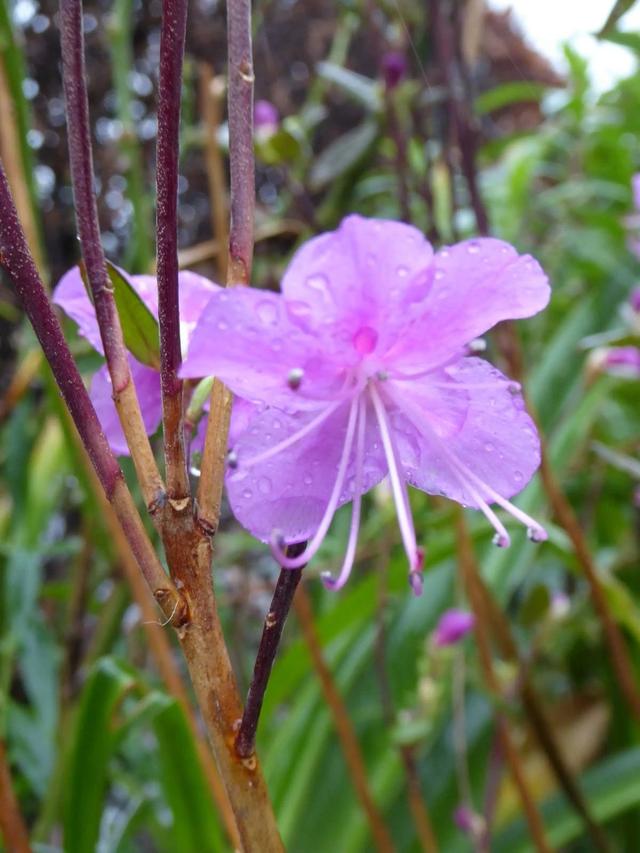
pixel 452 626
pixel 195 293
pixel 367 274
pixel 476 284
pixel 247 339
pixel 496 440
pixel 635 190
pixel 147 382
pixel 71 295
pixel 290 491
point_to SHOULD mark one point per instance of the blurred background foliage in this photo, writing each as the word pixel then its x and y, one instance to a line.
pixel 95 721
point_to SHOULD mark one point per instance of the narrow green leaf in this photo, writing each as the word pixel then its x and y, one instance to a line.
pixel 139 326
pixel 517 92
pixel 195 826
pixel 361 88
pixel 611 788
pixel 91 750
pixel 620 8
pixel 342 154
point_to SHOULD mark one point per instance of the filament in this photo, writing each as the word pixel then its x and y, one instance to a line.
pixel 343 575
pixel 303 558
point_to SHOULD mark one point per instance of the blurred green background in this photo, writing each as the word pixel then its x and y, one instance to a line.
pixel 102 754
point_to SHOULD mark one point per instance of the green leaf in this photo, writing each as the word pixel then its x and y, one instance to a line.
pixel 630 40
pixel 195 826
pixel 91 750
pixel 139 326
pixel 620 8
pixel 360 88
pixel 611 788
pixel 517 92
pixel 342 154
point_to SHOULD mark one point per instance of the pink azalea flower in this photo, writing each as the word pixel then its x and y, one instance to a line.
pixel 360 372
pixel 71 295
pixel 453 626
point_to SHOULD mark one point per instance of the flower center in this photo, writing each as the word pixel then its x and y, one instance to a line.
pixel 365 340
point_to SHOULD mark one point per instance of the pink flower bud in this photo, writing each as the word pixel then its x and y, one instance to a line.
pixel 453 626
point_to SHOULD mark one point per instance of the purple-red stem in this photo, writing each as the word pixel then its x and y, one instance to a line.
pixel 172 39
pixel 241 159
pixel 81 162
pixel 286 586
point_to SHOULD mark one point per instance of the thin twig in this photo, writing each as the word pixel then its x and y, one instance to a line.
pixel 286 586
pixel 566 517
pixel 460 115
pixel 241 236
pixel 81 162
pixel 172 38
pixel 211 94
pixel 12 825
pixel 469 568
pixel 536 714
pixel 17 261
pixel 344 726
pixel 160 648
pixel 417 806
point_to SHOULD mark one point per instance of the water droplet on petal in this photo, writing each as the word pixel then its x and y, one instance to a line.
pixel 317 282
pixel 222 325
pixel 489 447
pixel 308 479
pixel 264 485
pixel 439 275
pixel 517 476
pixel 473 248
pixel 267 312
pixel 402 272
pixel 247 493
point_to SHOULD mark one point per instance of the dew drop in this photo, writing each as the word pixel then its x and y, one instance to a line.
pixel 489 447
pixel 317 282
pixel 308 479
pixel 247 493
pixel 439 275
pixel 473 248
pixel 267 312
pixel 517 476
pixel 402 272
pixel 264 485
pixel 222 325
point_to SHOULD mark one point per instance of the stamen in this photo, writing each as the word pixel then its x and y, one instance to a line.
pixel 343 575
pixel 398 485
pixel 295 377
pixel 535 531
pixel 303 558
pixel 416 581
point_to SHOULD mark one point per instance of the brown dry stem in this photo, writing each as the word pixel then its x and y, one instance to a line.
pixel 344 727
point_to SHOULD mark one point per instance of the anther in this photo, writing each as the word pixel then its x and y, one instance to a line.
pixel 537 534
pixel 295 377
pixel 501 540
